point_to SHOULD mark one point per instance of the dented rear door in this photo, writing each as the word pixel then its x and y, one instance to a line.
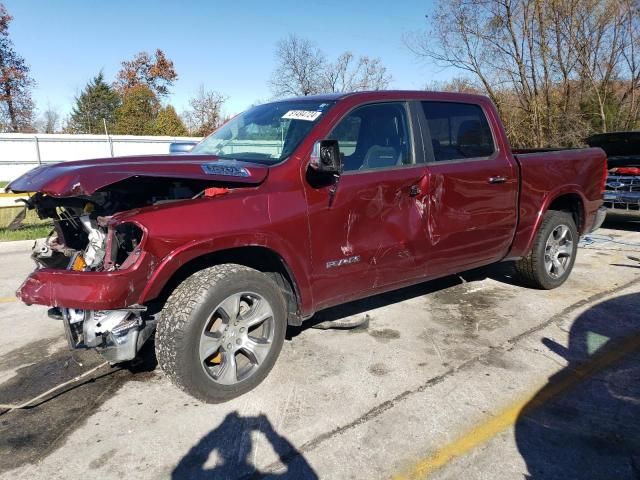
pixel 472 188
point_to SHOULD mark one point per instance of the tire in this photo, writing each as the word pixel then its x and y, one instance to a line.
pixel 209 342
pixel 538 269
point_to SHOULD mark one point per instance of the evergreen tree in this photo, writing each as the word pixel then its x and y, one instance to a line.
pixel 168 123
pixel 97 101
pixel 16 105
pixel 137 114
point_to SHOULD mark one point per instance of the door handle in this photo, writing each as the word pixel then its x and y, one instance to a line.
pixel 414 191
pixel 498 179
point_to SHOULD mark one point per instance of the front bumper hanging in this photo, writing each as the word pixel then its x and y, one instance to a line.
pixel 117 335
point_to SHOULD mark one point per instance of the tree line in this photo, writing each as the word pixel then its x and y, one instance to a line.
pixel 557 70
pixel 132 104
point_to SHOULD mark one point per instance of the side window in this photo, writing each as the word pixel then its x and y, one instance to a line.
pixel 374 136
pixel 458 130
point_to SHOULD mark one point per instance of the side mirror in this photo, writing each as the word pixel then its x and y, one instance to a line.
pixel 181 147
pixel 325 157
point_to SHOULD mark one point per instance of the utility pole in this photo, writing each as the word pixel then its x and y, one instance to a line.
pixel 106 132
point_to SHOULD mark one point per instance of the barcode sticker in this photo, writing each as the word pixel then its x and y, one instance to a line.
pixel 308 115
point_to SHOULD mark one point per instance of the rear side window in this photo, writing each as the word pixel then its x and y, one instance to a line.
pixel 458 130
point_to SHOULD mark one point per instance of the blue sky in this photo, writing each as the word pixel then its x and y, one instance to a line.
pixel 225 46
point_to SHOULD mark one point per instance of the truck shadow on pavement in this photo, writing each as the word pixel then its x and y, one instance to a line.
pixel 232 443
pixel 585 423
pixel 500 272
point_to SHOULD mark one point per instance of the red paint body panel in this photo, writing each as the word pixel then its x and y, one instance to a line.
pixel 456 221
pixel 547 176
pixel 471 222
pixel 372 216
pixel 86 176
pixel 88 290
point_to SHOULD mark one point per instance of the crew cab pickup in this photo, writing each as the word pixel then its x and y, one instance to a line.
pixel 289 208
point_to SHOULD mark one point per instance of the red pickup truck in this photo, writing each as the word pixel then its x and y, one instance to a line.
pixel 292 207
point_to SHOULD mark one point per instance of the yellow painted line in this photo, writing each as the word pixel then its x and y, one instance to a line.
pixel 8 299
pixel 507 418
pixel 15 194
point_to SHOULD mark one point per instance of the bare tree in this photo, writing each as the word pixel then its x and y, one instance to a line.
pixel 300 68
pixel 303 69
pixel 558 70
pixel 206 112
pixel 49 121
pixel 348 74
pixel 456 84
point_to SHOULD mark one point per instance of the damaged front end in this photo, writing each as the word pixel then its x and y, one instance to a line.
pixel 85 236
pixel 95 265
pixel 116 334
pixel 93 261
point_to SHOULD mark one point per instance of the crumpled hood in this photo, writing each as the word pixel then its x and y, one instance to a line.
pixel 84 177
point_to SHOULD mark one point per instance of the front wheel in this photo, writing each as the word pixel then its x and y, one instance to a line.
pixel 221 332
pixel 554 252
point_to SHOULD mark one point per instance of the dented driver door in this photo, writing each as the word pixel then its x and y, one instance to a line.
pixel 367 229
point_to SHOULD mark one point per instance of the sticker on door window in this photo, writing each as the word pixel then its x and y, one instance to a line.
pixel 307 115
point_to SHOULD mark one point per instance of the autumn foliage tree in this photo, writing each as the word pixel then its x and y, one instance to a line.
pixel 141 83
pixel 16 105
pixel 156 72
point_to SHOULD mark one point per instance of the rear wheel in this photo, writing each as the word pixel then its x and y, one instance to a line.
pixel 221 332
pixel 554 252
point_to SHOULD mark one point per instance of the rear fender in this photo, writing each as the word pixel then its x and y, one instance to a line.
pixel 530 223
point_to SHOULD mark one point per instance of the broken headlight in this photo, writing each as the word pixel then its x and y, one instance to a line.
pixel 123 245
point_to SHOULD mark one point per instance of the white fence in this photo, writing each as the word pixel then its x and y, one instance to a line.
pixel 20 152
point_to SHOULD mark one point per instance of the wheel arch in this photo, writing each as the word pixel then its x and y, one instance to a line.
pixel 568 198
pixel 573 203
pixel 180 265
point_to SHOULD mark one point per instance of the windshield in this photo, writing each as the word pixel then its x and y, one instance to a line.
pixel 265 134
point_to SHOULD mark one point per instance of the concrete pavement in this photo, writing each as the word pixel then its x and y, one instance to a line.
pixel 471 377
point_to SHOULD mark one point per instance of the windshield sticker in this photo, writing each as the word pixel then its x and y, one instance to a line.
pixel 307 115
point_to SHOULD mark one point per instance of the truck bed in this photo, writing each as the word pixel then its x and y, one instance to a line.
pixel 546 174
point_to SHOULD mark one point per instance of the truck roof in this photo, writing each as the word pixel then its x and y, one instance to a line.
pixel 393 95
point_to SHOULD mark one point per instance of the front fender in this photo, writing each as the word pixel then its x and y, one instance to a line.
pixel 184 254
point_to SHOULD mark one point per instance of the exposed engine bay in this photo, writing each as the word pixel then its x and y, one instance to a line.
pixel 85 238
pixel 80 239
